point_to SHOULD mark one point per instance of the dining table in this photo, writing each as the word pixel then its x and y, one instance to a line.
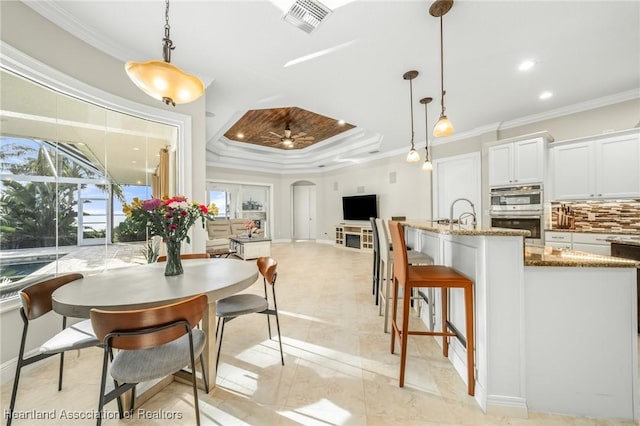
pixel 145 286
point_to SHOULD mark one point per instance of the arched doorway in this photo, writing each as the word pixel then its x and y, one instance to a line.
pixel 304 210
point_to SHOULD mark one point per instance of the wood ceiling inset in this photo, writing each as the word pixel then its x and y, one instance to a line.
pixel 260 122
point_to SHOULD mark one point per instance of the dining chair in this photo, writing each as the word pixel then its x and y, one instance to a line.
pixel 152 343
pixel 237 305
pixel 386 261
pixel 413 276
pixel 36 301
pixel 186 256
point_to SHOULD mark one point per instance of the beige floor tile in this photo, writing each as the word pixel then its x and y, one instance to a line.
pixel 338 366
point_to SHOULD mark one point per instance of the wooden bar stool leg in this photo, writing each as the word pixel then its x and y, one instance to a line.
pixel 404 333
pixel 468 299
pixel 394 315
pixel 445 318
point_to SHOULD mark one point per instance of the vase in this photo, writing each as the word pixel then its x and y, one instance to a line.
pixel 174 263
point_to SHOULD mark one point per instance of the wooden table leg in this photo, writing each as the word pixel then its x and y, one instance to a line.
pixel 210 350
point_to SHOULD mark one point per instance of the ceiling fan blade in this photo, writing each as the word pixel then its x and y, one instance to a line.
pixel 277 135
pixel 269 137
pixel 299 135
pixel 306 138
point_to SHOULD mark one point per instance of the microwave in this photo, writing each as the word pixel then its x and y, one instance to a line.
pixel 512 199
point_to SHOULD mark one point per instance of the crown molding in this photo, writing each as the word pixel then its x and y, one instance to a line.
pixel 573 109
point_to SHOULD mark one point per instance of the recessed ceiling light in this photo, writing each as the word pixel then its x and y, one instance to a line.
pixel 526 65
pixel 135 148
pixel 133 162
pixel 546 95
pixel 341 122
pixel 240 135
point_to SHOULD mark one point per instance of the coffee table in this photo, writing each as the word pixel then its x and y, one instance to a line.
pixel 250 248
pixel 221 252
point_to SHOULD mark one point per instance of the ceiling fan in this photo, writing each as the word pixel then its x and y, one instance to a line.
pixel 287 139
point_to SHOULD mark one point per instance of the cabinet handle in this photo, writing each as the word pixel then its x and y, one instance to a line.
pixel 590 195
pixel 599 195
pixel 557 238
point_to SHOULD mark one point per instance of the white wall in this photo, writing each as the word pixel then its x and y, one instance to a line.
pixel 403 189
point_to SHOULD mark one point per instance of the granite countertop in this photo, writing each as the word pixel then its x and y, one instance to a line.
pixel 551 256
pixel 465 229
pixel 629 240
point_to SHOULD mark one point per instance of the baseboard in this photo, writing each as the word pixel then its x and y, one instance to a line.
pixel 8 369
pixel 500 405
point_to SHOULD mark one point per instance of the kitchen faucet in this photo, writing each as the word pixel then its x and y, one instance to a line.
pixel 472 214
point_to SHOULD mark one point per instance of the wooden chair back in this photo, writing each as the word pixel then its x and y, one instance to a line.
pixel 36 298
pixel 144 321
pixel 400 257
pixel 268 269
pixel 187 256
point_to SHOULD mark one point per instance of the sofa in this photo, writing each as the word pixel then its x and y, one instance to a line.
pixel 219 232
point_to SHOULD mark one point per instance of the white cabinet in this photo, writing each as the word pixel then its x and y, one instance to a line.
pixel 557 239
pixel 598 168
pixel 520 162
pixel 589 242
pixel 593 243
pixel 355 236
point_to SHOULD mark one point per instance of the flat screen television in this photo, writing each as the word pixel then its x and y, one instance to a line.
pixel 359 207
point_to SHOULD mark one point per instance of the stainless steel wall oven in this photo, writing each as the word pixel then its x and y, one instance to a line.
pixel 519 207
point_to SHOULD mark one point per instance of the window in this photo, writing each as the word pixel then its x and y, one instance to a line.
pixel 66 167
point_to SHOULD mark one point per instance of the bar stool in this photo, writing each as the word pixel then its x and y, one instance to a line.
pixel 386 271
pixel 444 277
pixel 376 259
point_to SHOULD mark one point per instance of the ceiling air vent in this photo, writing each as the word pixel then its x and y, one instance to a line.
pixel 307 14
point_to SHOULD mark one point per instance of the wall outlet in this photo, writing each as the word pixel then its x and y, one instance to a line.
pixel 591 216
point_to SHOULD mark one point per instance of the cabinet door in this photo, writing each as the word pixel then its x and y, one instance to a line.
pixel 500 164
pixel 603 249
pixel 573 171
pixel 558 239
pixel 528 161
pixel 619 167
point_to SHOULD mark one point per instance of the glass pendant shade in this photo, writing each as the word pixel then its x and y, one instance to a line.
pixel 413 156
pixel 443 127
pixel 427 166
pixel 164 81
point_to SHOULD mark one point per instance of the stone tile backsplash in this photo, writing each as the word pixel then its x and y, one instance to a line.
pixel 601 216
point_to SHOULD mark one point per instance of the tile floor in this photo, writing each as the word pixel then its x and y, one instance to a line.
pixel 338 367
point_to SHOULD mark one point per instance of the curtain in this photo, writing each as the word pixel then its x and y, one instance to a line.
pixel 160 179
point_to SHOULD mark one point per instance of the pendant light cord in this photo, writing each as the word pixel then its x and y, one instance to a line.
pixel 411 106
pixel 426 127
pixel 441 70
pixel 168 44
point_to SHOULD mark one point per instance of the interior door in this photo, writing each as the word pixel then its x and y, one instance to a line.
pixel 304 212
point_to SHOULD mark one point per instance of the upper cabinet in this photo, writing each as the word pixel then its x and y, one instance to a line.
pixel 603 167
pixel 520 162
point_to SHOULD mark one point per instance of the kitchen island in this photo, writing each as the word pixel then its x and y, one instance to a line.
pixel 555 329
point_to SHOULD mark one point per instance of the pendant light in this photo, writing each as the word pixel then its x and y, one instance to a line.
pixel 443 127
pixel 426 166
pixel 161 79
pixel 412 156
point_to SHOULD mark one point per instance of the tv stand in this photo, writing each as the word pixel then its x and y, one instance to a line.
pixel 358 237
